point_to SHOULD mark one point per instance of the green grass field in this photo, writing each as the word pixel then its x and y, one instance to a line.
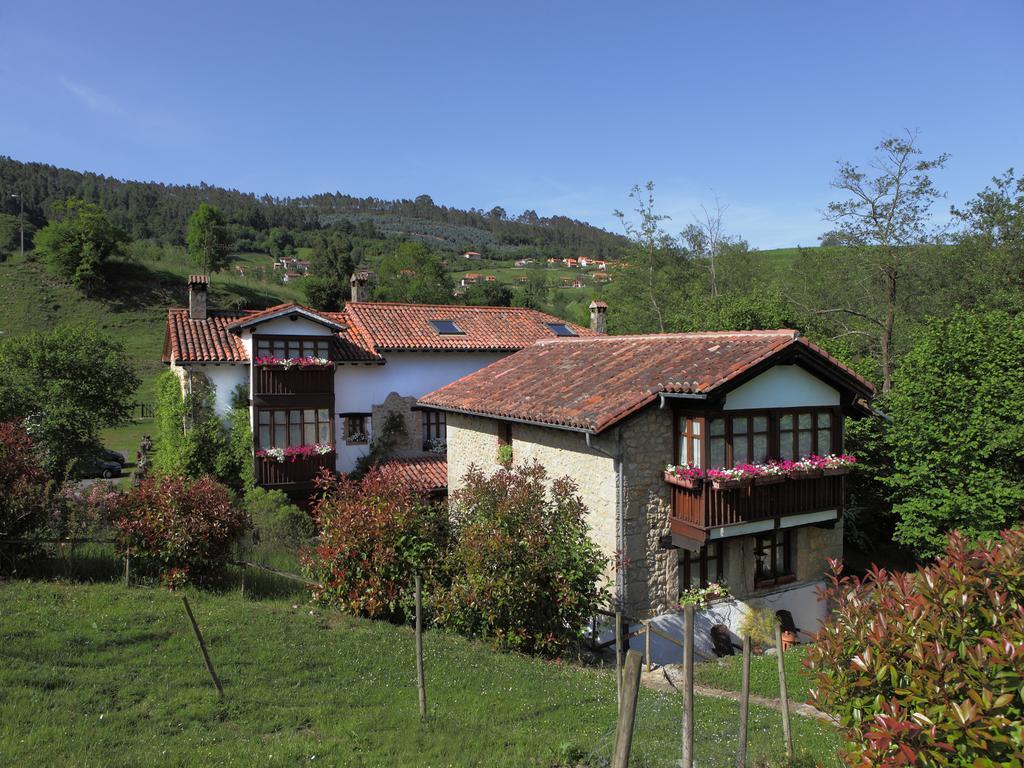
pixel 101 675
pixel 726 674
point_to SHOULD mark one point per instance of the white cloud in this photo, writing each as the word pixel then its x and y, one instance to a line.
pixel 92 98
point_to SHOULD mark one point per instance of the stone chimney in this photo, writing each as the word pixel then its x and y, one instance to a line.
pixel 599 316
pixel 360 286
pixel 197 285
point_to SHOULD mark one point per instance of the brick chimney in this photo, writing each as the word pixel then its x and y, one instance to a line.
pixel 360 286
pixel 197 285
pixel 599 316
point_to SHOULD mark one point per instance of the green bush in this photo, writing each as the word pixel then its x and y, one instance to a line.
pixel 24 487
pixel 523 572
pixel 927 668
pixel 277 520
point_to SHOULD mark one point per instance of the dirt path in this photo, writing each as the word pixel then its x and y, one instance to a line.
pixel 659 679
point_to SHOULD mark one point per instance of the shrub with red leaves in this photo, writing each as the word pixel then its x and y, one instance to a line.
pixel 374 534
pixel 523 572
pixel 178 528
pixel 24 487
pixel 927 668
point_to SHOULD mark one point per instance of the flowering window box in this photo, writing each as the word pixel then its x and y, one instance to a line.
pixel 295 453
pixel 833 471
pixel 692 483
pixel 805 473
pixel 770 479
pixel 289 363
pixel 730 483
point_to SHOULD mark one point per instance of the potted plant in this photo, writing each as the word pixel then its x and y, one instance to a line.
pixel 702 596
pixel 804 469
pixel 729 479
pixel 836 464
pixel 766 474
pixel 684 475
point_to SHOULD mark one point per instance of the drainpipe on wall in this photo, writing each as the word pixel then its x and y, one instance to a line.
pixel 620 524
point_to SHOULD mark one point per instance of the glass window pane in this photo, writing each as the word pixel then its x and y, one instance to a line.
pixel 695 426
pixel 717 450
pixel 322 349
pixel 322 415
pixel 264 437
pixel 309 415
pixel 308 433
pixel 805 420
pixel 696 453
pixel 280 435
pixel 295 417
pixel 264 417
pixel 684 454
pixel 786 421
pixel 262 348
pixel 295 434
pixel 824 441
pixel 279 349
pixel 804 447
pixel 739 425
pixel 760 448
pixel 824 420
pixel 740 451
pixel 324 433
pixel 760 423
pixel 717 427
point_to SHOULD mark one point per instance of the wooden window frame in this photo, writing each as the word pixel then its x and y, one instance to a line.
pixel 270 338
pixel 686 435
pixel 777 574
pixel 351 420
pixel 434 426
pixel 329 421
pixel 718 560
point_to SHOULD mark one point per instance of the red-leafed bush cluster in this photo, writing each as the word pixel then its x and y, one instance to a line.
pixel 927 668
pixel 374 534
pixel 522 571
pixel 178 528
pixel 24 486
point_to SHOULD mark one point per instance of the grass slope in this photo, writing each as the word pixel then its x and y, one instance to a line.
pixel 727 674
pixel 103 675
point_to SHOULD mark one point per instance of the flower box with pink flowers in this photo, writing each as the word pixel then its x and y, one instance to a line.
pixel 684 475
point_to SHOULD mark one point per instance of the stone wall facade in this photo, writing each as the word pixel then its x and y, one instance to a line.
pixel 412 442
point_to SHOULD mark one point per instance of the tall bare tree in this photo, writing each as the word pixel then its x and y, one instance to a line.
pixel 885 211
pixel 651 242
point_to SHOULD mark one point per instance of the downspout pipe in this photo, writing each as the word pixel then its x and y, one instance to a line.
pixel 620 514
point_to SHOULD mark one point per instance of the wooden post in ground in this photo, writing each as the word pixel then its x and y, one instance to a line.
pixel 618 660
pixel 627 710
pixel 127 571
pixel 787 734
pixel 242 567
pixel 202 647
pixel 741 752
pixel 647 644
pixel 688 616
pixel 419 650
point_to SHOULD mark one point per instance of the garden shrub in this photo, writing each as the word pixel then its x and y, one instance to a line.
pixel 927 668
pixel 178 528
pixel 24 486
pixel 375 533
pixel 522 572
pixel 277 520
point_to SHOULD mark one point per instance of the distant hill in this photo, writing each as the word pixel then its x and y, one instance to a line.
pixel 156 211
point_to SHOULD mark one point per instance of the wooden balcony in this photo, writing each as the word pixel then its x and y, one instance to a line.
pixel 292 475
pixel 271 380
pixel 695 511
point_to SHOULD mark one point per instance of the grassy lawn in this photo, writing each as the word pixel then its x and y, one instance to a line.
pixel 97 674
pixel 726 674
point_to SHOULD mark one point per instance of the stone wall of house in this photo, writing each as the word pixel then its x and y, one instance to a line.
pixel 412 443
pixel 813 548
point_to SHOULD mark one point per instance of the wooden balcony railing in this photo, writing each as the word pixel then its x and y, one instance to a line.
pixel 696 510
pixel 295 381
pixel 300 472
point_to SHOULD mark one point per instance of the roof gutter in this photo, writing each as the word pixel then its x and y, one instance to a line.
pixel 663 396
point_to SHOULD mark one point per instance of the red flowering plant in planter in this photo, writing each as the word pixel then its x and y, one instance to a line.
pixel 294 453
pixel 927 668
pixel 730 479
pixel 178 528
pixel 804 469
pixel 287 363
pixel 684 475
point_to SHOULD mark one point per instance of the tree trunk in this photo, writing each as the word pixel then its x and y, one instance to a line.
pixel 887 329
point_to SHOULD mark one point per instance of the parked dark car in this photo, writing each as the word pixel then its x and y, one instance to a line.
pixel 98 466
pixel 108 455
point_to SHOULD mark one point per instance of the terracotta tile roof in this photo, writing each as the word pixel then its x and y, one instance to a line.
pixel 393 326
pixel 590 384
pixel 364 330
pixel 425 474
pixel 207 340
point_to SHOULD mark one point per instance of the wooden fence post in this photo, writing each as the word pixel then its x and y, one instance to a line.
pixel 618 660
pixel 202 647
pixel 688 614
pixel 627 711
pixel 242 567
pixel 647 644
pixel 419 650
pixel 741 752
pixel 127 562
pixel 787 734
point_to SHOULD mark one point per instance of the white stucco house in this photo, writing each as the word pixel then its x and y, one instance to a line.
pixel 327 380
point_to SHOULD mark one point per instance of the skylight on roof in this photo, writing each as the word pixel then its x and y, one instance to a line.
pixel 561 329
pixel 447 328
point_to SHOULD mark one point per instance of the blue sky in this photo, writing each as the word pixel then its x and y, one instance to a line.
pixel 557 106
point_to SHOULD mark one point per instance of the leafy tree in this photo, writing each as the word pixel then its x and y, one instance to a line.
pixel 24 487
pixel 887 215
pixel 280 243
pixel 10 234
pixel 488 295
pixel 331 266
pixel 925 668
pixel 534 293
pixel 65 385
pixel 207 238
pixel 956 436
pixel 76 242
pixel 651 246
pixel 412 273
pixel 523 571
